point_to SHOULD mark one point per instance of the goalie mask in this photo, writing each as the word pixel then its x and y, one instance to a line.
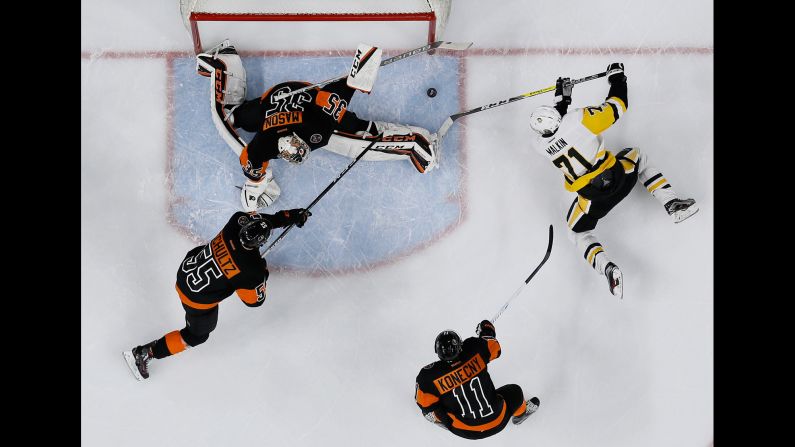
pixel 293 149
pixel 545 120
pixel 255 233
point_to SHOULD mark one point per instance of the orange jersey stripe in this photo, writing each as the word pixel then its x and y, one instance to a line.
pixel 426 399
pixel 247 295
pixel 187 301
pixel 494 349
pixel 522 408
pixel 245 163
pixel 483 427
pixel 174 342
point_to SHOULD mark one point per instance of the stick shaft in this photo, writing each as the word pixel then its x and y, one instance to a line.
pixel 449 122
pixel 317 199
pixel 526 281
pixel 401 56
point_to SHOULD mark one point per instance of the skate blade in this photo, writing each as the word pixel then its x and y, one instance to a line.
pixel 693 209
pixel 619 289
pixel 130 359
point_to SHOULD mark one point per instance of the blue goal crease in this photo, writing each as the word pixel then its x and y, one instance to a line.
pixel 377 213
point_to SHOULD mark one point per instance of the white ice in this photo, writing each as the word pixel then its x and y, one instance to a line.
pixel 330 359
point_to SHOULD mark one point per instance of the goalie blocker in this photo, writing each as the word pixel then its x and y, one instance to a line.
pixel 312 119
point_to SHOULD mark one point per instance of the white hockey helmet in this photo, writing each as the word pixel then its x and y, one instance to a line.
pixel 545 120
pixel 293 149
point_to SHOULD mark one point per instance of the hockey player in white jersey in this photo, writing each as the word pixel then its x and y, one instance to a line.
pixel 572 141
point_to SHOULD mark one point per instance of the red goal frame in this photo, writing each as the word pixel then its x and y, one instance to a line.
pixel 196 17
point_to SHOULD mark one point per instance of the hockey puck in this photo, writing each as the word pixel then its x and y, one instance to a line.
pixel 431 92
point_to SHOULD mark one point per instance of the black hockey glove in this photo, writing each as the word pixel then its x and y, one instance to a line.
pixel 486 329
pixel 298 216
pixel 615 73
pixel 563 88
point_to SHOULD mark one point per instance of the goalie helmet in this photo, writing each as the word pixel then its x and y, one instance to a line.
pixel 545 120
pixel 293 149
pixel 254 233
pixel 448 345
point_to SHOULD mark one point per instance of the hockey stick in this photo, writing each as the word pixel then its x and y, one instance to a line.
pixel 317 199
pixel 458 46
pixel 449 121
pixel 515 294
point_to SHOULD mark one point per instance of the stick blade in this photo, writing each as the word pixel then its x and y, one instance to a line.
pixel 457 46
pixel 445 127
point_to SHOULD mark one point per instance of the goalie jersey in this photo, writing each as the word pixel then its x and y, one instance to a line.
pixel 313 115
pixel 461 393
pixel 577 147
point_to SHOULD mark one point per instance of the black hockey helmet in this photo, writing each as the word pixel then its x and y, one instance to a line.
pixel 448 345
pixel 254 233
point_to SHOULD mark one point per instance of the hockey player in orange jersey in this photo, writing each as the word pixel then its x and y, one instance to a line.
pixel 456 392
pixel 229 264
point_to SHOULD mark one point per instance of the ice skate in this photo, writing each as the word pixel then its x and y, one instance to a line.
pixel 138 360
pixel 681 209
pixel 615 280
pixel 532 406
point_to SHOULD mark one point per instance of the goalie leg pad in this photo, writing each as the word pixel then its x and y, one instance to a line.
pixel 228 90
pixel 419 144
pixel 229 75
pixel 395 142
pixel 350 146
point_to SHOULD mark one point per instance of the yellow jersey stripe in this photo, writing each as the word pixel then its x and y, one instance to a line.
pixel 594 253
pixel 659 183
pixel 575 216
pixel 628 166
pixel 585 179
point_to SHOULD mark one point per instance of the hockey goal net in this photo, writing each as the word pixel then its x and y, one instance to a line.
pixel 286 16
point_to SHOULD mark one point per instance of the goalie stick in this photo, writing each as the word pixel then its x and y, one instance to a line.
pixel 519 290
pixel 317 199
pixel 458 46
pixel 449 121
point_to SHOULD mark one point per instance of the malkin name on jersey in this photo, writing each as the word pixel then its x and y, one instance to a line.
pixel 556 146
pixel 460 375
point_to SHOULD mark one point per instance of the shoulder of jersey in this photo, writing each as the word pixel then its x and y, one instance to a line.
pixel 429 365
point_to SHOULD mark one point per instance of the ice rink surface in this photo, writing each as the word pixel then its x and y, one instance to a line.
pixel 356 297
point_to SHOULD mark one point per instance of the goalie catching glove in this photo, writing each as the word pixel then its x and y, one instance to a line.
pixel 259 194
